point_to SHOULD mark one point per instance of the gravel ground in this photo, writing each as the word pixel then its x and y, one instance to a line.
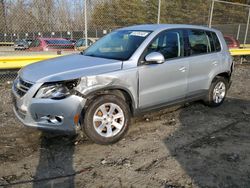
pixel 183 146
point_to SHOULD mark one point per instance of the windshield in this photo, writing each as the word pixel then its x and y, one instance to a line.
pixel 118 45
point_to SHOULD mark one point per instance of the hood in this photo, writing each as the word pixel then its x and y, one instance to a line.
pixel 67 68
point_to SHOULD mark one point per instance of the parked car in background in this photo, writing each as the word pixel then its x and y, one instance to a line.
pixel 80 45
pixel 51 44
pixel 29 41
pixel 73 41
pixel 21 44
pixel 129 71
pixel 231 41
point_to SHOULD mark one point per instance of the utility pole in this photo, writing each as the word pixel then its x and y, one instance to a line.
pixel 159 12
pixel 211 14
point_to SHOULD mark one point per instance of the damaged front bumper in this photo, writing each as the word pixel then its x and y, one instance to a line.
pixel 48 114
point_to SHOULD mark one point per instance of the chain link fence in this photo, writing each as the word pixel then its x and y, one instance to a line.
pixel 231 18
pixel 30 19
pixel 32 27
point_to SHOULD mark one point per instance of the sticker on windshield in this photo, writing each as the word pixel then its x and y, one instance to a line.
pixel 139 33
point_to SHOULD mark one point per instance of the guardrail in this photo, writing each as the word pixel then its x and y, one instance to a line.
pixel 239 51
pixel 245 45
pixel 17 62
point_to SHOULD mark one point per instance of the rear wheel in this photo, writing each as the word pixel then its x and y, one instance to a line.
pixel 106 119
pixel 217 92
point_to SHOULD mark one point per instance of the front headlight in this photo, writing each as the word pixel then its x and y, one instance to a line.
pixel 56 90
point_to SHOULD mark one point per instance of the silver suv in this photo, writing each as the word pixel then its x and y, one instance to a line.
pixel 129 71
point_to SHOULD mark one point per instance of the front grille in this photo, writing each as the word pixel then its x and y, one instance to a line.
pixel 21 87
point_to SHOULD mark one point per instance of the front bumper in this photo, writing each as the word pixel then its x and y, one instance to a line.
pixel 51 115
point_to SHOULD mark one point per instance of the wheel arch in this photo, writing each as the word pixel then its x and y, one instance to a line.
pixel 121 92
pixel 226 75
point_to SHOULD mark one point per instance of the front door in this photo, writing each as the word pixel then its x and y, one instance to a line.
pixel 166 82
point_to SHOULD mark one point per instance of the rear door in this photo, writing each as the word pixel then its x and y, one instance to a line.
pixel 204 60
pixel 166 82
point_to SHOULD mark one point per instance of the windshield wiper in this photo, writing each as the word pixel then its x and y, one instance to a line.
pixel 105 57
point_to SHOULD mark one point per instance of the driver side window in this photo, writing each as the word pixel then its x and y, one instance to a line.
pixel 168 43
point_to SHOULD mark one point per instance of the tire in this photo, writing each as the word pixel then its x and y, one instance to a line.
pixel 221 85
pixel 106 127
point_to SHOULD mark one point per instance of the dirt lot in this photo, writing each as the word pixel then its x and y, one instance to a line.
pixel 183 146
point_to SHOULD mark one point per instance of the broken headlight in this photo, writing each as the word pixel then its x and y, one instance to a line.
pixel 57 90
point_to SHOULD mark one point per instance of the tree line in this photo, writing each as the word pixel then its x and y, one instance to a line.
pixel 68 15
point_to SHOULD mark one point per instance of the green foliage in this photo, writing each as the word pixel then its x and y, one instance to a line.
pixel 116 13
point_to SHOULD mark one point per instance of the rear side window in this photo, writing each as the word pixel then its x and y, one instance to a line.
pixel 198 42
pixel 168 43
pixel 211 41
pixel 216 42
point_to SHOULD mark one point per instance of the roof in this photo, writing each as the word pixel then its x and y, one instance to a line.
pixel 155 27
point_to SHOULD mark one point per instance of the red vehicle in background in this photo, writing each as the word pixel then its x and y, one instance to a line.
pixel 231 42
pixel 51 44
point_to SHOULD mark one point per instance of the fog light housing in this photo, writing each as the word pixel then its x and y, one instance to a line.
pixel 53 119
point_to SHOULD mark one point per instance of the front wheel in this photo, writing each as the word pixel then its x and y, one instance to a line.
pixel 106 119
pixel 217 92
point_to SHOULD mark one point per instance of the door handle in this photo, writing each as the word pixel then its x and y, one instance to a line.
pixel 183 69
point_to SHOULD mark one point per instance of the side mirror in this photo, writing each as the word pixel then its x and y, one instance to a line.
pixel 155 57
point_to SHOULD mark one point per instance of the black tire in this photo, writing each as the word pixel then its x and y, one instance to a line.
pixel 209 98
pixel 88 125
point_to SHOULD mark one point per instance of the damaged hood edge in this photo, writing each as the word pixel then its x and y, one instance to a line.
pixel 67 68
